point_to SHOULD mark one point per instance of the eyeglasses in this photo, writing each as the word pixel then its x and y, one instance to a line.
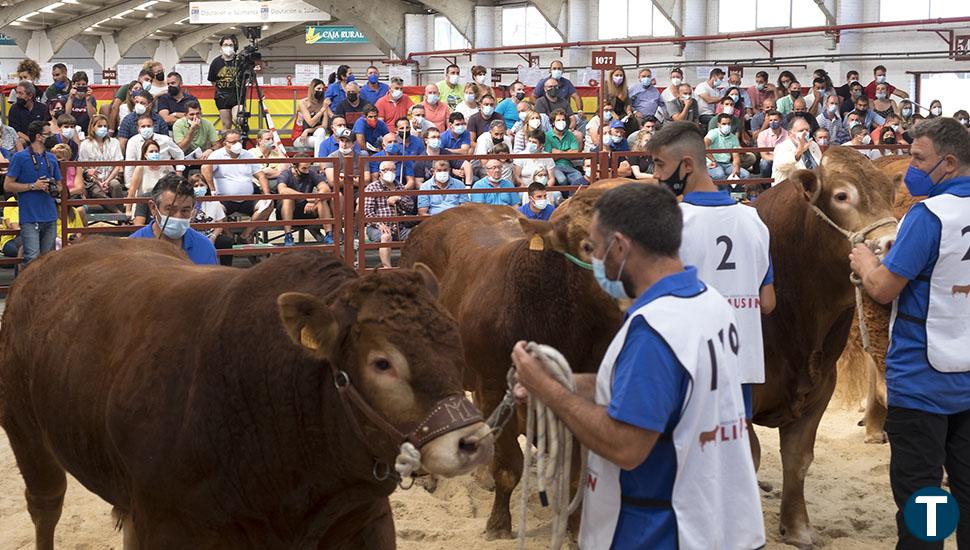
pixel 493 167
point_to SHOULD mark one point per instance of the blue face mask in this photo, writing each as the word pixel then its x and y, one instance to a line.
pixel 612 288
pixel 172 227
pixel 199 191
pixel 919 182
pixel 393 148
pixel 372 78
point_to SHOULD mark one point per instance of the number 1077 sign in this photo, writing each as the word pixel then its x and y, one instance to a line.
pixel 603 60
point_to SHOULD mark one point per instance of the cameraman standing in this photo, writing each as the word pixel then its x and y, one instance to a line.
pixel 34 177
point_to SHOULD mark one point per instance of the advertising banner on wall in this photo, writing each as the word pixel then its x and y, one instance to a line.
pixel 336 34
pixel 277 11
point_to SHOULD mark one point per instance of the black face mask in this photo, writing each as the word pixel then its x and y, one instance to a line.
pixel 519 96
pixel 795 94
pixel 22 102
pixel 352 97
pixel 676 182
pixel 889 139
pixel 159 76
pixel 403 134
pixel 552 92
pixel 174 90
pixel 862 113
pixel 497 140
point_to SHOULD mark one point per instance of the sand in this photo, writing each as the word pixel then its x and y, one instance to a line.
pixel 847 491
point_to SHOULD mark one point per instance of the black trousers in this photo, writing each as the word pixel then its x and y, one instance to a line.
pixel 921 445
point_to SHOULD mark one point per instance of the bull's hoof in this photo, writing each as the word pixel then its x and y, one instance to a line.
pixel 877 439
pixel 765 486
pixel 498 534
pixel 801 539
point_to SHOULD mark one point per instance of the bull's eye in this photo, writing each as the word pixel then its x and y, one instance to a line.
pixel 842 196
pixel 382 365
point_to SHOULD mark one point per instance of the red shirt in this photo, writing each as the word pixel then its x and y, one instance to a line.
pixel 871 90
pixel 390 111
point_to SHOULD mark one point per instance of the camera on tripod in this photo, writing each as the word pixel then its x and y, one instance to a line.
pixel 246 61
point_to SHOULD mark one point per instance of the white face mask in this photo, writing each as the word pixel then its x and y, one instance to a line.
pixel 541 204
pixel 866 139
pixel 881 78
pixel 534 123
pixel 68 132
pixel 542 179
pixel 560 125
pixel 396 94
pixel 433 99
pixel 936 111
pixel 146 133
pixel 822 141
pixel 832 108
pixel 728 109
pixel 675 81
pixel 452 79
pixel 346 150
pixel 442 177
pixel 556 73
pixel 523 115
pixel 140 109
pixel 388 177
pixel 685 98
pixel 418 119
pixel 227 51
pixel 725 129
pixel 236 148
pixel 480 79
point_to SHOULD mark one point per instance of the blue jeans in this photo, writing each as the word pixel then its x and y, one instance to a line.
pixel 721 171
pixel 569 175
pixel 766 168
pixel 38 239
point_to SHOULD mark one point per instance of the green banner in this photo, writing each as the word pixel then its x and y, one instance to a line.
pixel 343 34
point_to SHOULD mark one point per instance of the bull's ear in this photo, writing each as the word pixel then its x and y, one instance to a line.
pixel 808 181
pixel 427 276
pixel 308 322
pixel 541 235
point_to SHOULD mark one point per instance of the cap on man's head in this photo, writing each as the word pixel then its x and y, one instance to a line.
pixel 617 124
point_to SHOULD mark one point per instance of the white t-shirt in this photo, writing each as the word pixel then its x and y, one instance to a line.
pixel 530 166
pixel 167 149
pixel 233 179
pixel 484 144
pixel 209 212
pixel 466 109
pixel 705 108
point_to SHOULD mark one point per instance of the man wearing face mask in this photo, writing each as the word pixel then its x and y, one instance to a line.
pixel 554 100
pixel 786 104
pixel 797 152
pixel 762 90
pixel 441 179
pixel 172 105
pixel 493 180
pixel 775 134
pixel 724 166
pixel 237 179
pixel 508 107
pixel 374 89
pixel 450 90
pixel 565 88
pixel 830 119
pixel 129 126
pixel 303 178
pixel 480 122
pixel 424 169
pixel 352 105
pixel 419 123
pixel 383 207
pixel 926 276
pixel 866 117
pixel 391 146
pixel 644 97
pixel 879 77
pixel 192 132
pixel 395 104
pixel 29 176
pixel 538 208
pixel 26 110
pixel 709 94
pixel 171 207
pixel 495 135
pixel 369 130
pixel 168 149
pixel 684 108
pixel 410 143
pixel 652 481
pixel 61 87
pixel 435 110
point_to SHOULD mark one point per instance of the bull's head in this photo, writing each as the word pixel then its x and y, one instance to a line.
pixel 402 352
pixel 853 193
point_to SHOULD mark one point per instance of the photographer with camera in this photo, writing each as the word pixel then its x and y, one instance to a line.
pixel 34 176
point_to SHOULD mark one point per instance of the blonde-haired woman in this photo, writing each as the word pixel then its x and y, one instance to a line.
pixel 617 92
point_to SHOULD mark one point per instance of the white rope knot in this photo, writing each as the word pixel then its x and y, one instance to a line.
pixel 408 460
pixel 554 450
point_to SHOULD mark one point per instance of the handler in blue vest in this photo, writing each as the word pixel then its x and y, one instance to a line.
pixel 927 273
pixel 669 465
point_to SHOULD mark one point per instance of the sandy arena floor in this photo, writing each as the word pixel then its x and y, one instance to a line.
pixel 847 490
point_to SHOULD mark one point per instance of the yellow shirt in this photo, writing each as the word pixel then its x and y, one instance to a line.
pixel 11 215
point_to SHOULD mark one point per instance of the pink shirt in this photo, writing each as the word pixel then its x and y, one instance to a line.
pixel 758 97
pixel 768 138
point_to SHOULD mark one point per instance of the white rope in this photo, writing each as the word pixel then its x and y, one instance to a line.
pixel 554 450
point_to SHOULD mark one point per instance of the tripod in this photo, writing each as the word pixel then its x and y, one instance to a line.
pixel 248 85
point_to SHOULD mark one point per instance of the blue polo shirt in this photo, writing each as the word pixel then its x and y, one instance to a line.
pixel 375 166
pixel 507 199
pixel 439 203
pixel 371 96
pixel 649 389
pixel 911 382
pixel 450 141
pixel 371 135
pixel 414 146
pixel 198 248
pixel 35 206
pixel 509 110
pixel 544 214
pixel 335 93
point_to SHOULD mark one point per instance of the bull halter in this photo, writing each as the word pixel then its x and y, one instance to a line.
pixel 451 413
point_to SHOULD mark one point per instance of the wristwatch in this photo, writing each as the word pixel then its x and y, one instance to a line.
pixel 32 186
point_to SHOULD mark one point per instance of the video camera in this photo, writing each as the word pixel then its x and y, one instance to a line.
pixel 247 58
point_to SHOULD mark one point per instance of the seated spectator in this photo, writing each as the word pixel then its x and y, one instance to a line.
pixel 441 179
pixel 125 106
pixel 75 188
pixel 173 105
pixel 742 109
pixel 762 90
pixel 456 138
pixel 796 152
pixel 866 117
pixel 759 122
pixel 785 78
pixel 815 98
pixel 565 88
pixel 670 93
pixel 855 91
pixel 210 212
pixel 303 177
pixel 786 104
pixel 936 109
pixel 799 110
pixel 493 180
pixel 172 207
pixel 449 89
pixel 831 120
pixel 822 137
pixel 723 166
pixel 843 91
pixel 385 207
pixel 508 170
pixel 12 246
pixel 860 137
pixel 313 114
pixel 193 133
pixel 906 114
pixel 61 86
pixel 26 110
pixel 419 123
pixel 495 135
pixel 538 208
pixel 684 108
pixel 102 181
pixel 529 121
pixel 469 103
pixel 552 100
pixel 480 78
pixel 615 142
pixel 9 140
pixel 155 83
pixel 369 130
pixel 879 77
pixel 708 94
pixel 525 169
pixel 353 105
pixel 560 140
pixel 424 169
pixel 727 107
pixel 144 178
pixel 374 89
pixel 169 150
pixel 395 104
pixel 347 148
pixel 129 126
pixel 963 118
pixel 29 70
pixel 508 107
pixel 593 139
pixel 641 166
pixel 266 149
pixel 391 146
pixel 411 143
pixel 237 179
pixel 883 106
pixel 435 110
pixel 66 133
pixel 338 126
pixel 644 96
pixel 337 86
pixel 479 123
pixel 771 137
pixel 80 101
pixel 891 126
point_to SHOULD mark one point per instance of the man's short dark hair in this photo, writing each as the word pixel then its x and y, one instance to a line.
pixel 773 113
pixel 399 119
pixel 484 96
pixel 144 94
pixel 724 116
pixel 677 70
pixel 717 72
pixel 685 136
pixel 192 104
pixel 60 66
pixel 647 214
pixel 145 116
pixel 762 74
pixel 819 80
pixel 36 128
pixel 368 109
pixel 449 67
pixel 455 117
pixel 176 75
pixel 879 68
pixel 650 118
pixel 537 135
pixel 535 187
pixel 174 183
pixel 852 72
pixel 949 137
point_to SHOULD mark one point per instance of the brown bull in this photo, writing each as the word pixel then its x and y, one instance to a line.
pixel 808 330
pixel 506 279
pixel 222 408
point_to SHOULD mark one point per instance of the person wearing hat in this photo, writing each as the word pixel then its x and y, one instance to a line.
pixel 346 150
pixel 614 141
